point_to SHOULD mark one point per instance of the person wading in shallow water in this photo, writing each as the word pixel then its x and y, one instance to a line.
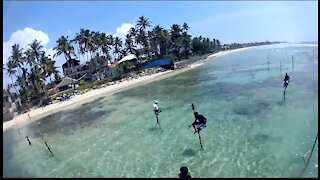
pixel 184 173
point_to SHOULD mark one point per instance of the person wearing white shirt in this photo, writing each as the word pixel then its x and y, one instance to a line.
pixel 156 110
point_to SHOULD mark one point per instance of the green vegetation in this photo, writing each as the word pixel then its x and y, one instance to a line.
pixel 33 68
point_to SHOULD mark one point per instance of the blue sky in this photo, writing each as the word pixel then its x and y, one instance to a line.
pixel 229 21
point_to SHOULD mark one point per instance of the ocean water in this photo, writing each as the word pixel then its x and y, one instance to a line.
pixel 251 130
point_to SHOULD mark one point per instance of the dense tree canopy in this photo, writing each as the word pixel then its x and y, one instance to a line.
pixel 33 68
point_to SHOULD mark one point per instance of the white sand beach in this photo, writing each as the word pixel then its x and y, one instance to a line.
pixel 92 95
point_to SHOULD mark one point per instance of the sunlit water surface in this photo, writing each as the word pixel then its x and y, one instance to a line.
pixel 251 130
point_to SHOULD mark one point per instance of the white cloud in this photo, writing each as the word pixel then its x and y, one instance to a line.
pixel 123 30
pixel 23 37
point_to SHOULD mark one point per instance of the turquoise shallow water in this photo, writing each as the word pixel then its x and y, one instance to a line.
pixel 251 131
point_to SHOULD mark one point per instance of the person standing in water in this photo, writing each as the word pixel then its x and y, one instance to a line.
pixel 156 110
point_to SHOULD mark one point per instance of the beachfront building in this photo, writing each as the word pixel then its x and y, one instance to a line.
pixel 66 83
pixel 131 58
pixel 73 69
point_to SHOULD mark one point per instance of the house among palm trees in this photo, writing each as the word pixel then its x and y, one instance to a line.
pixel 131 57
pixel 66 83
pixel 73 69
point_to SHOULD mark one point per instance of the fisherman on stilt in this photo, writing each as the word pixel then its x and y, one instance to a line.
pixel 156 110
pixel 199 122
pixel 286 80
pixel 28 140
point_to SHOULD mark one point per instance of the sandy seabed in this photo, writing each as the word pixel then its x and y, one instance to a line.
pixel 38 113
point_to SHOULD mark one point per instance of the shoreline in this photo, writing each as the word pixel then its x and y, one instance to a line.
pixel 38 113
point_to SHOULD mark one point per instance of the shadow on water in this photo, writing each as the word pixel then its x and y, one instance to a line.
pixel 153 129
pixel 66 122
pixel 252 109
pixel 189 152
pixel 281 103
pixel 227 91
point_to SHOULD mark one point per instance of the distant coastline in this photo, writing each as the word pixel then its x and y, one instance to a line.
pixel 38 113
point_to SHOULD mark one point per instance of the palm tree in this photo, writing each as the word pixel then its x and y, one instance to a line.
pixel 78 42
pixel 95 43
pixel 176 39
pixel 141 38
pixel 132 32
pixel 29 58
pixel 117 46
pixel 111 42
pixel 83 43
pixel 186 42
pixel 57 77
pixel 104 47
pixel 155 37
pixel 16 61
pixel 129 44
pixel 48 67
pixel 16 57
pixel 185 27
pixel 37 88
pixel 36 49
pixel 142 24
pixel 64 47
pixel 11 71
pixel 87 41
pixel 165 42
pixel 218 44
pixel 214 44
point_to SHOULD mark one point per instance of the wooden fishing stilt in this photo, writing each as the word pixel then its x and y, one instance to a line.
pixel 46 143
pixel 158 121
pixel 306 165
pixel 201 147
pixel 292 62
pixel 251 72
pixel 284 94
pixel 200 140
pixel 17 125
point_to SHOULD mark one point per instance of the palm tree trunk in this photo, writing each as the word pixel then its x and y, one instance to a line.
pixel 78 48
pixel 87 56
pixel 84 61
pixel 14 85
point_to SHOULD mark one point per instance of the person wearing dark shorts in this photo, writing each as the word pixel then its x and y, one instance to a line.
pixel 156 110
pixel 199 123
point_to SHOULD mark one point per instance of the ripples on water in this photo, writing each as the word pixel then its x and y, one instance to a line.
pixel 251 131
